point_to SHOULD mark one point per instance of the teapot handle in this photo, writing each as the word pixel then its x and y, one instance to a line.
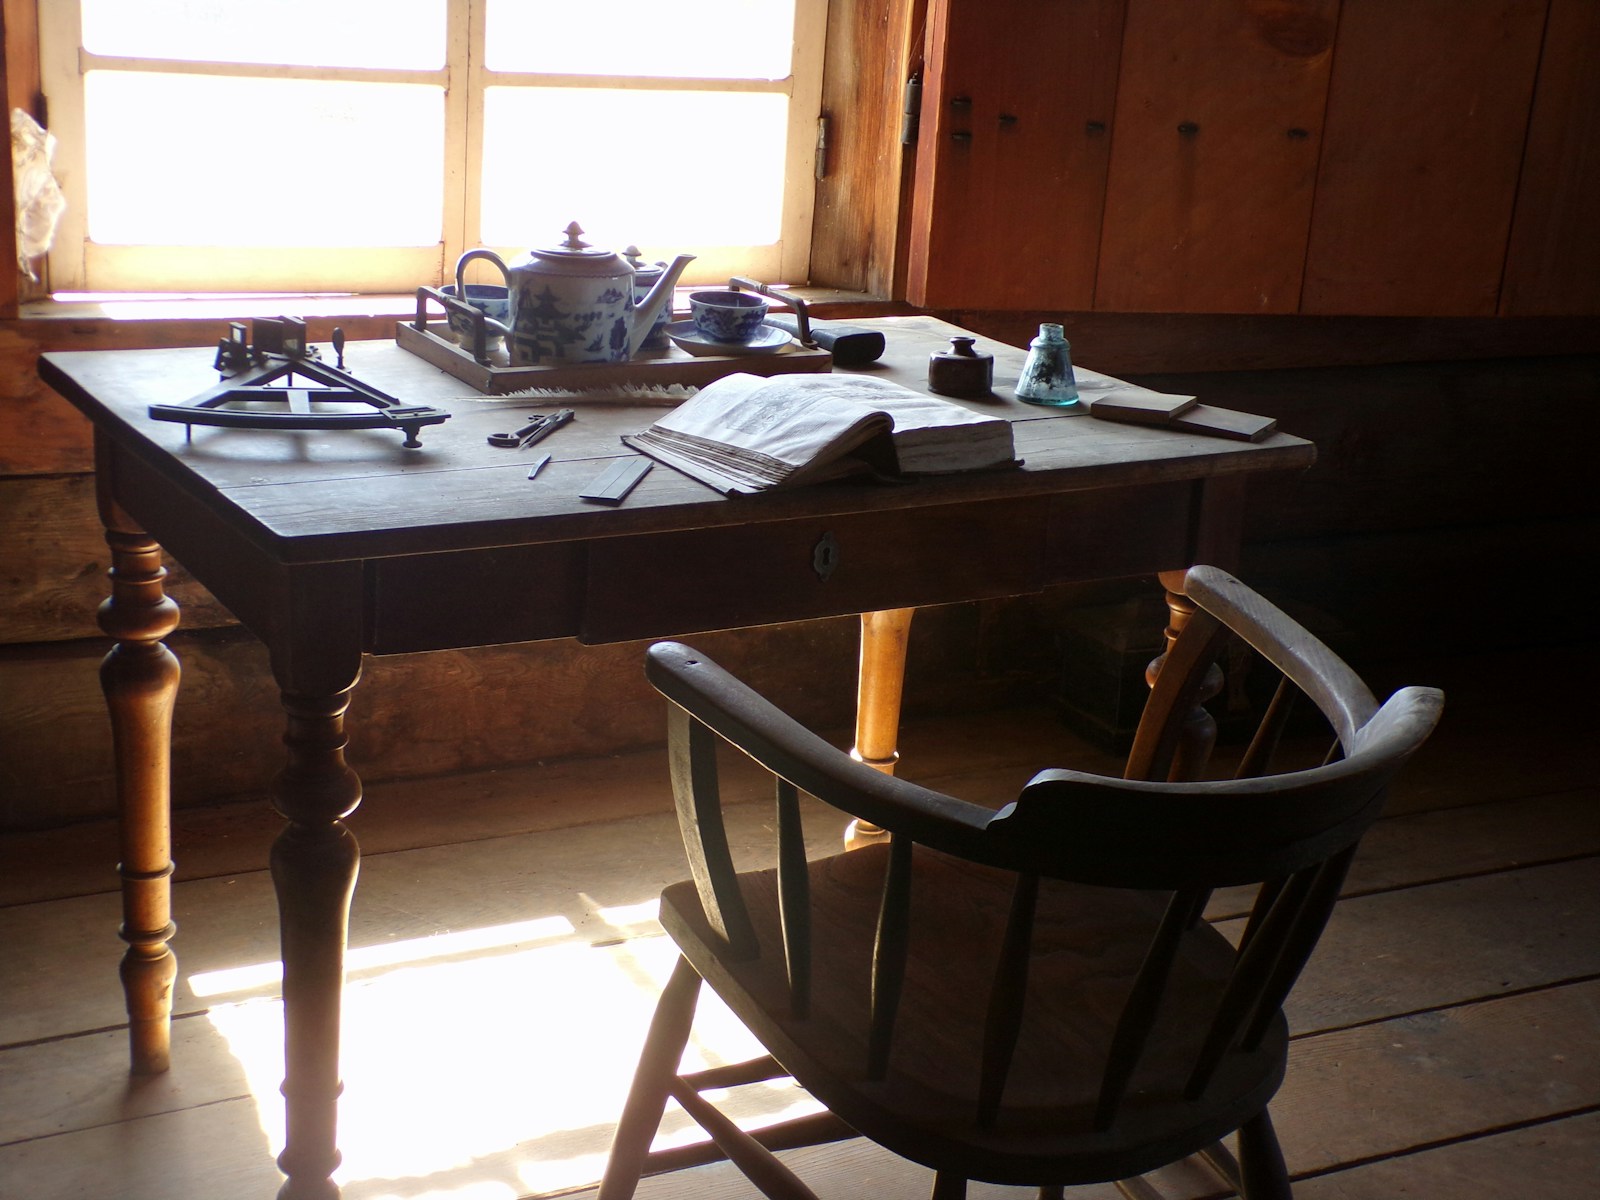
pixel 461 266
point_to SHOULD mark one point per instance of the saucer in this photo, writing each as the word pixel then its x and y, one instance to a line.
pixel 768 339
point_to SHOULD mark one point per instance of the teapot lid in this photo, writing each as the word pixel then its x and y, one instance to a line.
pixel 575 256
pixel 642 270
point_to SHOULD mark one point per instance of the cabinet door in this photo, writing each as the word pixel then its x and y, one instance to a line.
pixel 1214 155
pixel 1427 113
pixel 1011 157
pixel 1553 265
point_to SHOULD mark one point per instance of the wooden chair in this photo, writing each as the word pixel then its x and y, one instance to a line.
pixel 1028 996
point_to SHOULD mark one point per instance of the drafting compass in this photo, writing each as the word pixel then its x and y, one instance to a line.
pixel 262 380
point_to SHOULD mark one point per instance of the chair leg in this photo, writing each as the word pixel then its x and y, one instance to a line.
pixel 1262 1174
pixel 949 1187
pixel 647 1099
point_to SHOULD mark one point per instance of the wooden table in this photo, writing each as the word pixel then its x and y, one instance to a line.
pixel 333 545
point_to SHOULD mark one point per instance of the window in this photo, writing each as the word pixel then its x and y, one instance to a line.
pixel 363 145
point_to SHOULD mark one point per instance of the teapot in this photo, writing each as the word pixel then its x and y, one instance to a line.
pixel 573 303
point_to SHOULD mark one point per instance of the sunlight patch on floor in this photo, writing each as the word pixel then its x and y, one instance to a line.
pixel 496 1068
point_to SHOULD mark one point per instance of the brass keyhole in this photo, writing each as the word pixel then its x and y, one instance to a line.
pixel 825 555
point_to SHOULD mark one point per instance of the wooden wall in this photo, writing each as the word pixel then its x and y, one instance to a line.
pixel 1446 509
pixel 1353 157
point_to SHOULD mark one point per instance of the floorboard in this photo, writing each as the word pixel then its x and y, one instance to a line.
pixel 505 959
pixel 1492 1167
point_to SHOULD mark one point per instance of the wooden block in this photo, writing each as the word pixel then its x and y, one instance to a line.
pixel 613 484
pixel 1136 406
pixel 1212 421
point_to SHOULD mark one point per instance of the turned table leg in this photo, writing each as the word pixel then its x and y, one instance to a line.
pixel 881 683
pixel 314 864
pixel 140 680
pixel 1199 733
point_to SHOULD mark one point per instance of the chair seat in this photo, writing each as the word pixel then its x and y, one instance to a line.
pixel 1088 944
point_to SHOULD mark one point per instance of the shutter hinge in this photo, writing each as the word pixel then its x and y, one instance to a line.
pixel 910 110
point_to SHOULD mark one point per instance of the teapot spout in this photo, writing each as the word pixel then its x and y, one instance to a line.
pixel 648 309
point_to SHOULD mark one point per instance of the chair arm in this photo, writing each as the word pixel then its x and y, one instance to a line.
pixel 1335 689
pixel 782 745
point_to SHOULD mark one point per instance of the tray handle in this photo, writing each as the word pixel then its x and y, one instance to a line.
pixel 474 316
pixel 802 320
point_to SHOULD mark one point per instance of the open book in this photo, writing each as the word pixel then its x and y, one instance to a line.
pixel 744 433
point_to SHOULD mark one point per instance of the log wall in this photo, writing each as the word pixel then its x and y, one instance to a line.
pixel 1447 508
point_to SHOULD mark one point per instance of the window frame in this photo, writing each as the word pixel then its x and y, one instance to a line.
pixel 76 264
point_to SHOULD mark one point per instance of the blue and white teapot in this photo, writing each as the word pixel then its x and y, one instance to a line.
pixel 573 303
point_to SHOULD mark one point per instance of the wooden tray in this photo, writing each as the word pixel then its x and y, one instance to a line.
pixel 653 367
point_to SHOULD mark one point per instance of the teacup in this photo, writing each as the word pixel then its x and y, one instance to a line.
pixel 727 316
pixel 493 300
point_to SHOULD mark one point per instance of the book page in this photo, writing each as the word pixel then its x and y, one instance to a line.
pixel 744 433
pixel 794 419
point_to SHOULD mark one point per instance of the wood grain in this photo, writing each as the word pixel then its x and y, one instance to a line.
pixel 72 1123
pixel 1427 946
pixel 416 715
pixel 1392 1086
pixel 1012 152
pixel 60 576
pixel 1213 156
pixel 1427 114
pixel 1133 343
pixel 1559 1154
pixel 42 433
pixel 1553 260
pixel 858 199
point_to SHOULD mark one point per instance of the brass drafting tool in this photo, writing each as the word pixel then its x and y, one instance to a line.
pixel 280 353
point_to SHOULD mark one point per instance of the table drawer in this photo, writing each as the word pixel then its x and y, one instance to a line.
pixel 667 584
pixel 474 598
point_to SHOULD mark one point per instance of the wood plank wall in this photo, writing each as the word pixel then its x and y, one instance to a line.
pixel 1447 506
pixel 1351 157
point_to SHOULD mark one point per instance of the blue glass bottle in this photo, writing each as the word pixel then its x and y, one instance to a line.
pixel 1047 375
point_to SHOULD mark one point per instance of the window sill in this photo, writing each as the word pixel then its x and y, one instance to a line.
pixel 327 306
pixel 107 323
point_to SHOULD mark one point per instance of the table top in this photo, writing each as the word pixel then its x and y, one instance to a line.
pixel 343 495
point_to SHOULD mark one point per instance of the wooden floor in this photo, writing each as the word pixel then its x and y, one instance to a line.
pixel 505 957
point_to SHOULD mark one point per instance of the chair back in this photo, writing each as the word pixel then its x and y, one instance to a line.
pixel 1291 834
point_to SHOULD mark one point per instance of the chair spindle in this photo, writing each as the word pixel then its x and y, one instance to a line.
pixel 692 761
pixel 1004 1019
pixel 1258 757
pixel 1139 1011
pixel 1251 972
pixel 794 897
pixel 889 955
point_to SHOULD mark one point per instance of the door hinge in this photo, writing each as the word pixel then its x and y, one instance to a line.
pixel 910 110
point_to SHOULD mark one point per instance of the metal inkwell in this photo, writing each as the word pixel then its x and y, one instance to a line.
pixel 265 372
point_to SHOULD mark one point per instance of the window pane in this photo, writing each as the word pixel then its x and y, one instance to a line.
pixel 205 161
pixel 688 39
pixel 406 34
pixel 655 168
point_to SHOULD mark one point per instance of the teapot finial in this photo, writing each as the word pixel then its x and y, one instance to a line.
pixel 573 242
